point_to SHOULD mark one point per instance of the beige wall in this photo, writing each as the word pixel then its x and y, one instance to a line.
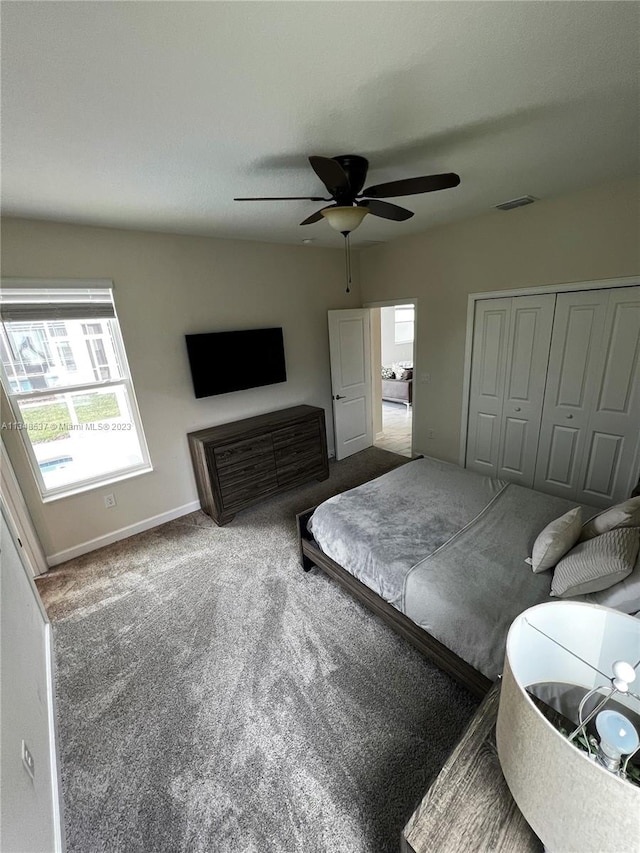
pixel 589 235
pixel 167 285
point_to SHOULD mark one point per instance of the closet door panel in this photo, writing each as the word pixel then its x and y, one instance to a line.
pixel 561 458
pixel 490 338
pixel 514 443
pixel 606 472
pixel 487 426
pixel 576 348
pixel 602 463
pixel 526 369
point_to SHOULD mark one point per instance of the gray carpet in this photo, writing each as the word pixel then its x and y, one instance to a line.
pixel 213 697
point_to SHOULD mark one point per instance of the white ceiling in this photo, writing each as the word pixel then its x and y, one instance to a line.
pixel 155 115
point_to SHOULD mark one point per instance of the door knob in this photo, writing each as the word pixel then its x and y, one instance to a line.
pixel 339 397
pixel 569 417
pixel 517 409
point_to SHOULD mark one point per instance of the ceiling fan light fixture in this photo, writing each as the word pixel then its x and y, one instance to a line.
pixel 344 219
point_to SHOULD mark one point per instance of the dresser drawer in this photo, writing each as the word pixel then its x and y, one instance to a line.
pixel 248 471
pixel 304 433
pixel 239 452
pixel 302 467
pixel 296 453
pixel 240 493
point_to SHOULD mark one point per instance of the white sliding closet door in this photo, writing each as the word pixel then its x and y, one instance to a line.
pixel 591 418
pixel 509 365
pixel 490 338
pixel 575 352
pixel 526 373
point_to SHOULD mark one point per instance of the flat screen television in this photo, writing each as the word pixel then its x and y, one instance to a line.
pixel 233 361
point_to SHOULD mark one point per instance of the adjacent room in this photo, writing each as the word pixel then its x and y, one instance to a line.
pixel 397 324
pixel 320 426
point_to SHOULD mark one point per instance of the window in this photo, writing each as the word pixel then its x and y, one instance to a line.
pixel 98 357
pixel 65 372
pixel 404 317
pixel 65 354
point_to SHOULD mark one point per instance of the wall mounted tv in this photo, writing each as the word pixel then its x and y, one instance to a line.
pixel 233 361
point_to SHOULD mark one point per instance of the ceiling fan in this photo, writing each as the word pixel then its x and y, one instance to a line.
pixel 344 177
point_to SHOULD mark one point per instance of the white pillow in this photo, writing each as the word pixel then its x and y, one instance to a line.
pixel 558 537
pixel 624 595
pixel 400 371
pixel 596 564
pixel 625 514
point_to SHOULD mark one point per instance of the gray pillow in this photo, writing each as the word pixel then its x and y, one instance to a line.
pixel 625 514
pixel 596 564
pixel 624 595
pixel 556 539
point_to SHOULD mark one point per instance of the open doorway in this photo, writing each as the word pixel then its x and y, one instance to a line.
pixel 393 414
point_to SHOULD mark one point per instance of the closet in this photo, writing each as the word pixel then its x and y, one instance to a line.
pixel 554 399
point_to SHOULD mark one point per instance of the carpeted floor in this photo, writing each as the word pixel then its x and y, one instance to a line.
pixel 214 698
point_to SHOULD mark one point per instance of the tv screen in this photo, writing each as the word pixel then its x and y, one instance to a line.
pixel 233 361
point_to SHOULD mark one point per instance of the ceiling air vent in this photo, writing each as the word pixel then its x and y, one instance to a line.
pixel 516 202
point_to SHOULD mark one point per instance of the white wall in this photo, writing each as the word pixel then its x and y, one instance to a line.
pixel 391 351
pixel 376 378
pixel 165 286
pixel 594 234
pixel 30 816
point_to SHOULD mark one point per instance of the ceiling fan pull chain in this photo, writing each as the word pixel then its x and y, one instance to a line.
pixel 347 257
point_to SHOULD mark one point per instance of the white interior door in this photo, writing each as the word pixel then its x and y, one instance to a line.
pixel 606 473
pixel 576 350
pixel 509 365
pixel 527 354
pixel 490 338
pixel 350 351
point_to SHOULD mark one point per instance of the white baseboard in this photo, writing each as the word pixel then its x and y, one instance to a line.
pixel 122 533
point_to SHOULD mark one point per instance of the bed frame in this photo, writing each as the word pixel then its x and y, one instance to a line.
pixel 311 555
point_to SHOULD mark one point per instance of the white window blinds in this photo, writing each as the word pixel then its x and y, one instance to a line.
pixel 18 305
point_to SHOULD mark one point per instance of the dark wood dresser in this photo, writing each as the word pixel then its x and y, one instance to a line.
pixel 239 463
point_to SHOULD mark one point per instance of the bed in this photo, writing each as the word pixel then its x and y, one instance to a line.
pixel 439 553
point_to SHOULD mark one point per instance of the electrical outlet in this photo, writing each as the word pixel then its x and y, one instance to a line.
pixel 109 501
pixel 431 433
pixel 27 760
pixel 425 377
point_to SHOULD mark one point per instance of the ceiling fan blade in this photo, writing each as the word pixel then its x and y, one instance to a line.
pixel 286 198
pixel 386 210
pixel 315 217
pixel 330 172
pixel 413 186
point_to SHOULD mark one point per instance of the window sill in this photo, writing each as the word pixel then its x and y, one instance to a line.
pixel 88 487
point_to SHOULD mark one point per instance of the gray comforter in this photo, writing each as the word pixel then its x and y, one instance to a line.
pixel 446 546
